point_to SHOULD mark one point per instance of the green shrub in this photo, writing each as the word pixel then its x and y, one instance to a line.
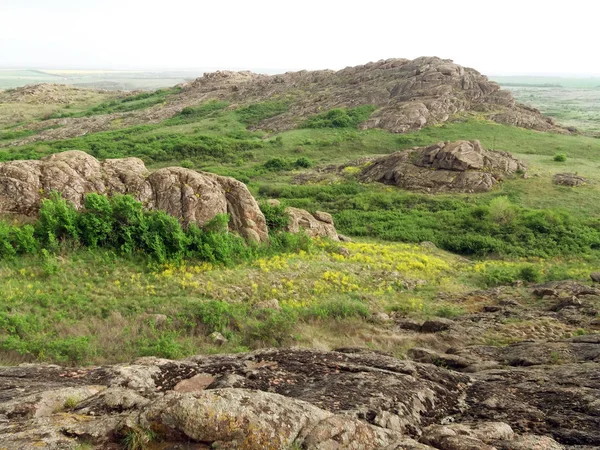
pixel 303 163
pixel 340 117
pixel 275 215
pixel 560 157
pixel 58 221
pixel 279 164
pixel 502 211
pixel 531 273
pixel 187 164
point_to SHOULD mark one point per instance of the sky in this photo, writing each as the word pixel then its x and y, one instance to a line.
pixel 496 38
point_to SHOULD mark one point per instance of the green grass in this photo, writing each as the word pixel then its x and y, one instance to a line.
pixel 64 305
pixel 130 103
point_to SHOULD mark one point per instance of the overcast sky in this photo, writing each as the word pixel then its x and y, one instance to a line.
pixel 501 37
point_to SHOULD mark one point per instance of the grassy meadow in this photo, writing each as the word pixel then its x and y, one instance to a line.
pixel 76 304
pixel 571 101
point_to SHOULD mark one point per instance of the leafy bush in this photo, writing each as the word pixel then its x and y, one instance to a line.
pixel 340 117
pixel 121 223
pixel 276 217
pixel 279 164
pixel 560 157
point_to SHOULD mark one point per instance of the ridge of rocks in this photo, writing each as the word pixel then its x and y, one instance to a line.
pixel 408 95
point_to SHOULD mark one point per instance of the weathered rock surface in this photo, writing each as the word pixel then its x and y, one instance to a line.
pixel 461 166
pixel 192 197
pixel 569 179
pixel 273 399
pixel 318 225
pixel 408 94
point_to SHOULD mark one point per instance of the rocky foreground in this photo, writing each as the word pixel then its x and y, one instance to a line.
pixel 455 391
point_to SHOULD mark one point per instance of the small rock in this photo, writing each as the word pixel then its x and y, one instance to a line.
pixel 268 304
pixel 595 276
pixel 492 308
pixel 323 217
pixel 409 324
pixel 428 244
pixel 197 383
pixel 569 302
pixel 343 238
pixel 436 325
pixel 545 292
pixel 218 338
pixel 158 319
pixel 380 317
pixel 273 202
pixel 343 251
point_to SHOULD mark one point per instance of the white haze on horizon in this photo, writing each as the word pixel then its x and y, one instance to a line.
pixel 522 37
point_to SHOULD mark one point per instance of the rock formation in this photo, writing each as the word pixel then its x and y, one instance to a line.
pixel 569 179
pixel 461 166
pixel 318 225
pixel 273 399
pixel 192 197
pixel 408 95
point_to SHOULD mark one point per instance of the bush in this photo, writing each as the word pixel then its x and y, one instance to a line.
pixel 276 217
pixel 279 164
pixel 121 223
pixel 560 157
pixel 502 211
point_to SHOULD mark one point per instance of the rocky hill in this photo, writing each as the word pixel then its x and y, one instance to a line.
pixel 407 95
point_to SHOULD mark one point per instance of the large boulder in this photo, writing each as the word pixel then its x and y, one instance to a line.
pixel 461 166
pixel 192 197
pixel 318 225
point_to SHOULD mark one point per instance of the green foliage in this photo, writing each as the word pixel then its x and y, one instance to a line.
pixel 257 112
pixel 279 164
pixel 121 223
pixel 125 104
pixel 502 211
pixel 560 157
pixel 276 217
pixel 194 113
pixel 137 438
pixel 139 141
pixel 457 224
pixel 340 117
pixel 336 309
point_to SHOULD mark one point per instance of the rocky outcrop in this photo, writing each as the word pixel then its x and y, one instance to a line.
pixel 503 376
pixel 271 399
pixel 569 179
pixel 408 94
pixel 461 166
pixel 318 225
pixel 192 197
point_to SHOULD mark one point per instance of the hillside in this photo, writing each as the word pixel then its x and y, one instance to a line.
pixel 451 300
pixel 405 95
